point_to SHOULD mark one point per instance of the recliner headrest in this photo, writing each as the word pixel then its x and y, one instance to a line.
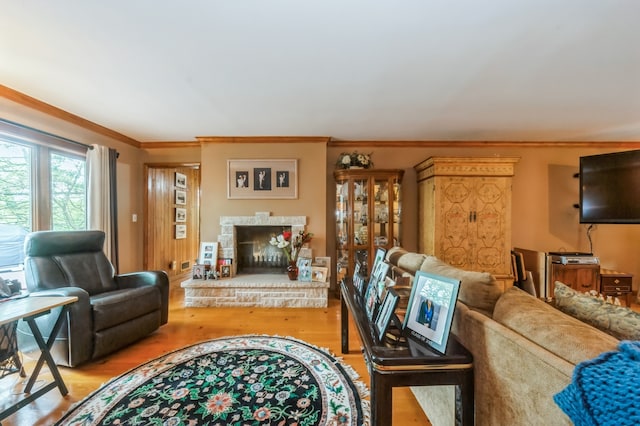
pixel 47 243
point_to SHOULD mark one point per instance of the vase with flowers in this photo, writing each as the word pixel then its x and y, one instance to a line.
pixel 354 160
pixel 291 245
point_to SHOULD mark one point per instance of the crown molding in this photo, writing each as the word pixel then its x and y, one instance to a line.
pixel 33 103
pixel 483 144
pixel 263 139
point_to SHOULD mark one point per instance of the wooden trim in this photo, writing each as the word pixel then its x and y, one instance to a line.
pixel 483 144
pixel 33 103
pixel 169 144
pixel 172 165
pixel 263 139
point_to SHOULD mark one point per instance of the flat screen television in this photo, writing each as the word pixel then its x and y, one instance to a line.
pixel 610 188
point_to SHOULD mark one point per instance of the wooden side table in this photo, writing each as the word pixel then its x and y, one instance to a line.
pixel 28 309
pixel 617 284
pixel 399 366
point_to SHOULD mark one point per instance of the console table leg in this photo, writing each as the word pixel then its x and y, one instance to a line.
pixel 465 400
pixel 344 323
pixel 381 400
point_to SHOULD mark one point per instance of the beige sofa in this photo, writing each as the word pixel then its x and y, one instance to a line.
pixel 524 349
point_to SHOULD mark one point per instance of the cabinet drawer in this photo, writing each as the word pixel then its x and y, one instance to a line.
pixel 615 284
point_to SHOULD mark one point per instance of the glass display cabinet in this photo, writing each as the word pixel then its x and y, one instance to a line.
pixel 368 216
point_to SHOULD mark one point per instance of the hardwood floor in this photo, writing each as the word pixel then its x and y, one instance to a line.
pixel 320 327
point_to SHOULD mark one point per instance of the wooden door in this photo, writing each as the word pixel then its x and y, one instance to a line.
pixel 172 206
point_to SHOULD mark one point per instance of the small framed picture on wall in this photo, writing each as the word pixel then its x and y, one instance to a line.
pixel 181 180
pixel 181 197
pixel 181 232
pixel 181 214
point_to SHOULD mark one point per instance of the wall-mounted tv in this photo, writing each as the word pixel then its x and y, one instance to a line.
pixel 610 188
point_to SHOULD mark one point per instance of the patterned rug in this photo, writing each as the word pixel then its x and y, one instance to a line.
pixel 241 380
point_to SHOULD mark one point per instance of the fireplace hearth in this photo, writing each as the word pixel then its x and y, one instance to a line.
pixel 262 289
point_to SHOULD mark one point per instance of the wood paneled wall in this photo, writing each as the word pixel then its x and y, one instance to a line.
pixel 162 250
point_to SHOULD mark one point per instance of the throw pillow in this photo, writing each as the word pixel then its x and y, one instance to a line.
pixel 478 290
pixel 620 322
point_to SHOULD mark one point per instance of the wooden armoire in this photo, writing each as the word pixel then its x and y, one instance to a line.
pixel 464 212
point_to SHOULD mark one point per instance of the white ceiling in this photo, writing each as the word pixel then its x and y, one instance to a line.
pixel 160 70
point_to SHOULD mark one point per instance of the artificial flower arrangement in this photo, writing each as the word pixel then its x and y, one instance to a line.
pixel 291 246
pixel 354 159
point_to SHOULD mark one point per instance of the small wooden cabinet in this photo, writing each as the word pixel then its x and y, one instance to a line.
pixel 368 210
pixel 616 284
pixel 580 277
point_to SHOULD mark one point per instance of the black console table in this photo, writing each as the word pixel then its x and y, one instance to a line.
pixel 400 366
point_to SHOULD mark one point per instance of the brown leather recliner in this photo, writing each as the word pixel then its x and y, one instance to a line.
pixel 112 311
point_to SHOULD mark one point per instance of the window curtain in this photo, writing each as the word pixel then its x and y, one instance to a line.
pixel 102 205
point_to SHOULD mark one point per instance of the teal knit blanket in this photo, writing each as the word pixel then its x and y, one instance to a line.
pixel 606 389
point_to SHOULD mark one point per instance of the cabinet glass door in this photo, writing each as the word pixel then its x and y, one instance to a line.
pixel 342 228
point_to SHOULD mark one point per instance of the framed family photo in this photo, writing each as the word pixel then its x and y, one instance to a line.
pixel 319 274
pixel 430 309
pixel 262 178
pixel 208 254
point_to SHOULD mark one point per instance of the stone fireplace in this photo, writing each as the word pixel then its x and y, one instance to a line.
pixel 258 268
pixel 231 227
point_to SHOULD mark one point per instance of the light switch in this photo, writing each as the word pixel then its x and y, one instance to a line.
pixel 134 217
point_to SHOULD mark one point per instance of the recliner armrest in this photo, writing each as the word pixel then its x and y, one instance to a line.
pixel 159 279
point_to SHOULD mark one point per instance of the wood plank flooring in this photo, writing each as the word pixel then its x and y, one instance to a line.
pixel 320 327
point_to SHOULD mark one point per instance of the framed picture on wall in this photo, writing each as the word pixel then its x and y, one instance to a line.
pixel 181 214
pixel 181 180
pixel 181 232
pixel 262 178
pixel 181 197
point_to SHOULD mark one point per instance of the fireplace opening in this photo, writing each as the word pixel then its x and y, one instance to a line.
pixel 255 254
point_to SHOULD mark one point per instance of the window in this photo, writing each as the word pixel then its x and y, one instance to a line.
pixel 68 192
pixel 41 188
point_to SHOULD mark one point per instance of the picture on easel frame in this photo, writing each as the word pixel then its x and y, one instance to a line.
pixel 387 310
pixel 430 309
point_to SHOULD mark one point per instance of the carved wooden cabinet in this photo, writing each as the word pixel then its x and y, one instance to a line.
pixel 368 208
pixel 464 212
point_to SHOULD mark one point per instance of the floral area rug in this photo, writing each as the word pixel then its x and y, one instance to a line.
pixel 241 380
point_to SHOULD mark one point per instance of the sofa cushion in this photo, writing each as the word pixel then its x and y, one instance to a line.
pixel 618 321
pixel 479 290
pixel 116 307
pixel 548 327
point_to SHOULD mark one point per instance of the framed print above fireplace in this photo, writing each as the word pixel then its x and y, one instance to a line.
pixel 262 179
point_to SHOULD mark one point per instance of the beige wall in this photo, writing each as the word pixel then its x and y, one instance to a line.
pixel 311 188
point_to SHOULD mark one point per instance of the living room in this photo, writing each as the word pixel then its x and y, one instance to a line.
pixel 510 114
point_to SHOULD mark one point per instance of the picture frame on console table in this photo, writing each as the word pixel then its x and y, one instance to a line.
pixel 262 179
pixel 387 310
pixel 430 310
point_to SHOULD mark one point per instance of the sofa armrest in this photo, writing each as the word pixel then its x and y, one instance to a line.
pixel 158 279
